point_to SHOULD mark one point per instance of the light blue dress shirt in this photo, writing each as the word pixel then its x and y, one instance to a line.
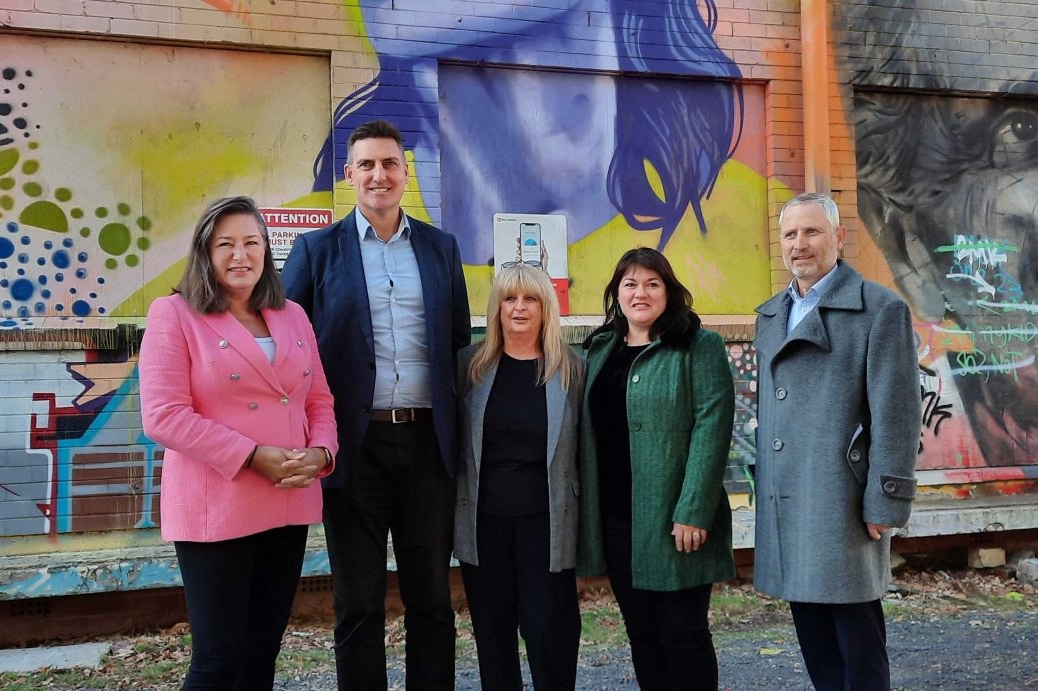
pixel 802 305
pixel 397 317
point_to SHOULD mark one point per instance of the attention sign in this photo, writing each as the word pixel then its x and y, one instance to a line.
pixel 285 224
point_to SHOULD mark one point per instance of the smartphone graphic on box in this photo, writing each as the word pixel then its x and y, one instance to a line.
pixel 530 243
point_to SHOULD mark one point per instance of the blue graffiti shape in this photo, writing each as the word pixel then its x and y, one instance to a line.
pixel 656 128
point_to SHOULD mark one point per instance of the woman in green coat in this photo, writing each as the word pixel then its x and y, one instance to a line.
pixel 655 432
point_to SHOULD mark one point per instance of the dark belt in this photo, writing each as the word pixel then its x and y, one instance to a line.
pixel 399 415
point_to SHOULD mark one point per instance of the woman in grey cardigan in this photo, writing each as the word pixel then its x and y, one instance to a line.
pixel 516 522
pixel 655 431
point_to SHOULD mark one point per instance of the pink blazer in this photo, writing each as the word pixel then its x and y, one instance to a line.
pixel 209 395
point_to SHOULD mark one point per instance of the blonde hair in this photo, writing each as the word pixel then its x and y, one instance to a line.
pixel 557 356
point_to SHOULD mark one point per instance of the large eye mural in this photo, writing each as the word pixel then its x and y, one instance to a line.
pixel 948 189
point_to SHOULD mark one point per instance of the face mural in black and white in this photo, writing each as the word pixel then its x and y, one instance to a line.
pixel 948 189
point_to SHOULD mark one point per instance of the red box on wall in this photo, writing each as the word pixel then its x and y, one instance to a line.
pixel 562 292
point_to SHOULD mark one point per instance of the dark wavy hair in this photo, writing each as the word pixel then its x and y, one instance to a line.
pixel 676 325
pixel 199 286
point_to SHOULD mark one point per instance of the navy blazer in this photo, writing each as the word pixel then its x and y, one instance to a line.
pixel 324 273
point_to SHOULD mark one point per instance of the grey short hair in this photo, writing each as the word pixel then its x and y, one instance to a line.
pixel 820 198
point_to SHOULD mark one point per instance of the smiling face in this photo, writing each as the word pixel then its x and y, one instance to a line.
pixel 642 296
pixel 810 245
pixel 521 315
pixel 378 173
pixel 236 251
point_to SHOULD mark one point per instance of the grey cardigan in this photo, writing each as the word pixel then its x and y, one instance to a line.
pixel 563 487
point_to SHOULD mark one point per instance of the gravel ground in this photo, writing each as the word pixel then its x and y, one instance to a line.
pixel 967 650
pixel 962 630
pixel 956 629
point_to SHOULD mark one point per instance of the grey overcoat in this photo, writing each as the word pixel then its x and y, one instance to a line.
pixel 838 432
pixel 563 487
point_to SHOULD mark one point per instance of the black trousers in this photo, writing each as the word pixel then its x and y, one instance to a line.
pixel 671 645
pixel 844 645
pixel 239 596
pixel 399 486
pixel 512 589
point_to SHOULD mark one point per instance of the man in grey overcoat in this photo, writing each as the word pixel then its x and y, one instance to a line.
pixel 838 433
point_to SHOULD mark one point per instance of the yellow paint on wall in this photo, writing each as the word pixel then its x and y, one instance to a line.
pixel 314 200
pixel 727 269
pixel 653 177
pixel 478 280
pixel 355 25
pixel 138 301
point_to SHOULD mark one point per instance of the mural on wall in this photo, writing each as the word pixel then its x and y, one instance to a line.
pixel 742 456
pixel 948 189
pixel 88 467
pixel 95 218
pixel 629 160
pixel 96 212
pixel 85 465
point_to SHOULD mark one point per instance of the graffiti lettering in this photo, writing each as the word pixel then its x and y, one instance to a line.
pixel 934 412
pixel 980 250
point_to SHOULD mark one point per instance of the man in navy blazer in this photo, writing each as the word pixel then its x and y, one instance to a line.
pixel 387 299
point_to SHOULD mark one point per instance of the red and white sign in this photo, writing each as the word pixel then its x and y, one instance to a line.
pixel 285 224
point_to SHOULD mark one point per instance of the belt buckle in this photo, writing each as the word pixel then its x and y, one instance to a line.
pixel 407 415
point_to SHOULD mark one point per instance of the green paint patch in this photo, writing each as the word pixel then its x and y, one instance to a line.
pixel 143 243
pixel 30 167
pixel 46 215
pixel 6 203
pixel 132 260
pixel 144 223
pixel 76 213
pixel 8 160
pixel 114 238
pixel 101 212
pixel 33 189
pixel 6 183
pixel 63 194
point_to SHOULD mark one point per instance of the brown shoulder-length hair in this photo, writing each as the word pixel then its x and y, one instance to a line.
pixel 199 286
pixel 677 324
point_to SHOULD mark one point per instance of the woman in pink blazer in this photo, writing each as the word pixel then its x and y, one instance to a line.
pixel 233 387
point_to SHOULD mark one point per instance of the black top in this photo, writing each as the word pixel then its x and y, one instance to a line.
pixel 513 474
pixel 607 401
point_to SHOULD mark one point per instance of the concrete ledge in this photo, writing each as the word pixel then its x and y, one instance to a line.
pixel 66 333
pixel 124 568
pixel 936 517
pixel 54 574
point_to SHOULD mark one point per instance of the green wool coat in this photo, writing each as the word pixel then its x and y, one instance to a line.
pixel 680 410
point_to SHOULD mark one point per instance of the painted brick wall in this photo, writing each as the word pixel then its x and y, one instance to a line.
pixel 73 455
pixel 955 45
